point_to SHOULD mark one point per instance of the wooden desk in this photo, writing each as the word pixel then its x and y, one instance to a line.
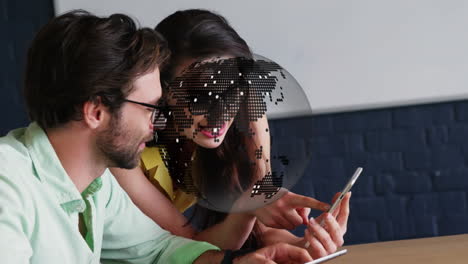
pixel 444 249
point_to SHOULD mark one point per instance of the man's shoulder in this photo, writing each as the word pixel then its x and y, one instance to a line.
pixel 13 151
pixel 15 161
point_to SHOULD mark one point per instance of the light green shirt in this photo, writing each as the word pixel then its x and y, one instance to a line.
pixel 40 206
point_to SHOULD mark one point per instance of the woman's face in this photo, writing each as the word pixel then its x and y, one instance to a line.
pixel 204 116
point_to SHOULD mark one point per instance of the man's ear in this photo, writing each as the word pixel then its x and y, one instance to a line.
pixel 94 113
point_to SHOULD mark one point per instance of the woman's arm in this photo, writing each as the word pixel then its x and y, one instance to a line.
pixel 229 234
pixel 152 202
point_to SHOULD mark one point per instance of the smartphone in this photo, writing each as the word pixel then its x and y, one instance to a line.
pixel 346 189
pixel 333 255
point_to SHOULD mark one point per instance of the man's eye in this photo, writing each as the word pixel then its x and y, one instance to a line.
pixel 149 109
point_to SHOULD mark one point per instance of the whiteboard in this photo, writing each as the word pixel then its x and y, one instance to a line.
pixel 347 55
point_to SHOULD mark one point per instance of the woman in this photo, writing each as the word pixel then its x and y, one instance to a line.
pixel 206 142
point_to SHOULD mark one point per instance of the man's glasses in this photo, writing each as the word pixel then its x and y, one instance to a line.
pixel 158 117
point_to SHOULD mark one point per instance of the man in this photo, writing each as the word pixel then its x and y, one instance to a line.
pixel 91 87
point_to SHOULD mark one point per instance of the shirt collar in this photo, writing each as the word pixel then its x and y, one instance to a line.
pixel 50 171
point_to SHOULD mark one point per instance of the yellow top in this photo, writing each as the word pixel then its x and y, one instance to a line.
pixel 154 168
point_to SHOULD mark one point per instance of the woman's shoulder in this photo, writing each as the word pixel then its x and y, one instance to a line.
pixel 155 169
pixel 150 158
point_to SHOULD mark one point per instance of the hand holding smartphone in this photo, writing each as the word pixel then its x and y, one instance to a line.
pixel 345 190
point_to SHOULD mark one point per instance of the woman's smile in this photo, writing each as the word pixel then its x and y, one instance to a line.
pixel 213 132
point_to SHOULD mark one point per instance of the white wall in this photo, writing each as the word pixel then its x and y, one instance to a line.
pixel 348 54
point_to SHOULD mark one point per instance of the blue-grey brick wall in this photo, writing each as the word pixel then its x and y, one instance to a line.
pixel 415 160
pixel 19 22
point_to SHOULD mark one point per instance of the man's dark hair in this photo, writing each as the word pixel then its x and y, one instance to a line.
pixel 78 57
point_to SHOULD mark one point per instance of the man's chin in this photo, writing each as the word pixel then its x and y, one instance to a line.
pixel 126 164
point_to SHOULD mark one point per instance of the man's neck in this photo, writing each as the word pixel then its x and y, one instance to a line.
pixel 75 149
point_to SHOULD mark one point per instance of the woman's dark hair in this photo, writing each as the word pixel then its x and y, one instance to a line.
pixel 78 57
pixel 197 35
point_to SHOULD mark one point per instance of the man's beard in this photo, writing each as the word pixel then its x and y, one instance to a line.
pixel 116 145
